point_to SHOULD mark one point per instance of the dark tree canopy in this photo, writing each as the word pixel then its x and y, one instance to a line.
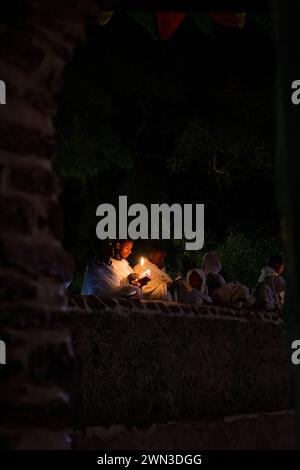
pixel 185 120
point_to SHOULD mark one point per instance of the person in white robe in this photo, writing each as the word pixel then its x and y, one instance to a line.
pixel 124 271
pixel 211 267
pixel 211 263
pixel 101 279
pixel 195 293
pixel 233 294
pixel 158 288
pixel 274 267
pixel 268 293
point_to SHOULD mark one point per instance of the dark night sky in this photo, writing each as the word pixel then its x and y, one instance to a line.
pixel 149 92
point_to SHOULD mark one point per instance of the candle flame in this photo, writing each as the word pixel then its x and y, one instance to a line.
pixel 142 261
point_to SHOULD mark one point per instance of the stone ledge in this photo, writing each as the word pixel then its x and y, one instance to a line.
pixel 91 303
pixel 262 431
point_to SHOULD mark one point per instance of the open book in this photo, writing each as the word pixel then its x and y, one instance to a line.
pixel 145 277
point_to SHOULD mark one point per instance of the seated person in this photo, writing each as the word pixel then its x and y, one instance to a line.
pixel 158 288
pixel 211 266
pixel 120 264
pixel 233 294
pixel 274 267
pixel 195 293
pixel 268 293
pixel 213 282
pixel 101 280
pixel 181 286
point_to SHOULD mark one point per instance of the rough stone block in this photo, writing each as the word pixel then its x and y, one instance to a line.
pixel 139 365
pixel 262 431
pixel 14 288
pixel 37 259
pixel 34 180
pixel 17 214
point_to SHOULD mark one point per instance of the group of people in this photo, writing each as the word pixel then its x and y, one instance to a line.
pixel 110 274
pixel 209 285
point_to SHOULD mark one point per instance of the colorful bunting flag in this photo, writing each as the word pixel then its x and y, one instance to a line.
pixel 104 17
pixel 204 23
pixel 146 20
pixel 236 20
pixel 168 23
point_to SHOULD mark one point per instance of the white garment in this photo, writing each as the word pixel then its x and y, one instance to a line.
pixel 202 276
pixel 233 295
pixel 268 293
pixel 122 269
pixel 267 271
pixel 157 287
pixel 211 263
pixel 193 296
pixel 196 296
pixel 101 280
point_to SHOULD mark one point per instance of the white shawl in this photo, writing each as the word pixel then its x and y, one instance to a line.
pixel 122 269
pixel 157 287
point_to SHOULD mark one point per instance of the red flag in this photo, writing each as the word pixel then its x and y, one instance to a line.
pixel 229 19
pixel 168 23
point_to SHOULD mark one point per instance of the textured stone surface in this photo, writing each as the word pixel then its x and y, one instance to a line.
pixel 36 40
pixel 17 214
pixel 34 180
pixel 16 288
pixel 262 431
pixel 55 220
pixel 40 259
pixel 145 362
pixel 34 439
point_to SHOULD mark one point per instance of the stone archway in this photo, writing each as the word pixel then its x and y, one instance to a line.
pixel 37 39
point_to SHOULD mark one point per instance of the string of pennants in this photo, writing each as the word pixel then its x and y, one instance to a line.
pixel 164 24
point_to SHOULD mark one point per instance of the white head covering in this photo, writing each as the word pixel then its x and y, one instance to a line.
pixel 211 263
pixel 265 272
pixel 201 274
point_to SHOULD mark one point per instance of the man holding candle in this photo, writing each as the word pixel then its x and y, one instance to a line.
pixel 159 284
pixel 101 279
pixel 124 271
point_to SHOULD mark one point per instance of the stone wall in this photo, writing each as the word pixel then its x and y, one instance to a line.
pixel 143 363
pixel 258 431
pixel 37 39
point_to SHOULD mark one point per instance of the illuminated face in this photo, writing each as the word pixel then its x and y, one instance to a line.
pixel 125 249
